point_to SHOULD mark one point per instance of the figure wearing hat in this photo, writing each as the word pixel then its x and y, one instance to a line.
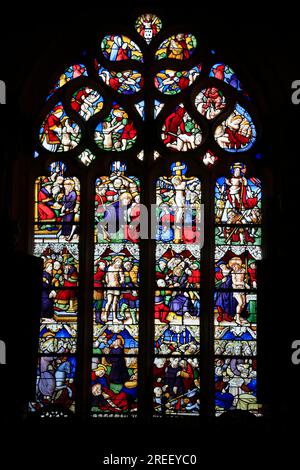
pixel 161 268
pixel 131 303
pixel 131 272
pixel 45 202
pixel 66 298
pixel 252 272
pixel 53 126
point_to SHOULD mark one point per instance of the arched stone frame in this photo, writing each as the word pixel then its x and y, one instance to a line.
pixel 222 164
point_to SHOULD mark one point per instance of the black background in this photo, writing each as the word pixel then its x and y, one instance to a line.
pixel 264 43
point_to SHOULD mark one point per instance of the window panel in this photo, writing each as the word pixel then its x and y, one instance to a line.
pixel 114 305
pixel 237 254
pixel 57 336
pixel 140 107
pixel 127 82
pixel 180 47
pixel 118 47
pixel 177 297
pixel 56 241
pixel 86 157
pixel 235 322
pixel 109 259
pixel 116 292
pixel 209 159
pixel 148 26
pixel 158 106
pixel 178 200
pixel 172 82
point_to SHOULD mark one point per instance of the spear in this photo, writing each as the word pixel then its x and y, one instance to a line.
pixel 177 398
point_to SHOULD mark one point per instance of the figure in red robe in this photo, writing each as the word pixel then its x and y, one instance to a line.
pixel 52 122
pixel 173 123
pixel 194 278
pixel 45 202
pixel 129 131
pixel 66 298
pixel 219 71
pixel 78 99
pixel 178 49
pixel 236 139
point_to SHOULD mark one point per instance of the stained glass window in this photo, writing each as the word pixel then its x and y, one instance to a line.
pixel 148 215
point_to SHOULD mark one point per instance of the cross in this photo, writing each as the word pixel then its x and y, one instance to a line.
pixel 118 167
pixel 178 168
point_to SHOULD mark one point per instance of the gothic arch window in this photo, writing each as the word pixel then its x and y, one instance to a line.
pixel 147 116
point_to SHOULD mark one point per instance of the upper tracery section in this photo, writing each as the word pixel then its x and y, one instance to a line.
pixel 100 103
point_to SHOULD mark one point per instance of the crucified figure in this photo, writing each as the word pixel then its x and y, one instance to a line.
pixel 181 186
